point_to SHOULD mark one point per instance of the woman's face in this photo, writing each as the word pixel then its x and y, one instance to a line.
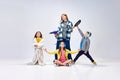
pixel 64 18
pixel 62 45
pixel 38 34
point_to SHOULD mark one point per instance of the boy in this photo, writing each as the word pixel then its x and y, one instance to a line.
pixel 84 46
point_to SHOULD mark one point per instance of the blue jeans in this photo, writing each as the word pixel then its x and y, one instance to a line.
pixel 67 45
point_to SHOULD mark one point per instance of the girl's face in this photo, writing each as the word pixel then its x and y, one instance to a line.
pixel 38 35
pixel 62 45
pixel 64 18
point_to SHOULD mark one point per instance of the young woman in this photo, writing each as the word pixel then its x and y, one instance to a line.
pixel 62 54
pixel 64 33
pixel 38 45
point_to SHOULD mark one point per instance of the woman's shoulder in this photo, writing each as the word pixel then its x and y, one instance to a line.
pixel 70 21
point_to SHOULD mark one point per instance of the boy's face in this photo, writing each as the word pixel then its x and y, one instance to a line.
pixel 86 34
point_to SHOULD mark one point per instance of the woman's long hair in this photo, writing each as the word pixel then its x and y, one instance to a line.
pixel 65 16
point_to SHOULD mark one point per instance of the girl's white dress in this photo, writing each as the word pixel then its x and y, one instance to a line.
pixel 38 57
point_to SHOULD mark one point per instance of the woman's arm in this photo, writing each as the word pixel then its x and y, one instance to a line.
pixel 59 31
pixel 59 28
pixel 70 29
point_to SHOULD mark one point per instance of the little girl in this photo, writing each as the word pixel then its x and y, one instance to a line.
pixel 38 45
pixel 62 54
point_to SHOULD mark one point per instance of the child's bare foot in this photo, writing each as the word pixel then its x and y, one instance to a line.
pixel 67 64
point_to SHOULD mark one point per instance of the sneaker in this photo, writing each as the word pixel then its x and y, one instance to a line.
pixel 72 62
pixel 94 63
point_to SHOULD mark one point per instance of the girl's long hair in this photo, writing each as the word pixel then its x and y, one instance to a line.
pixel 59 51
pixel 66 17
pixel 35 36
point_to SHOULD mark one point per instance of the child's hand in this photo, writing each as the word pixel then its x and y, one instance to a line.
pixel 36 46
pixel 78 50
pixel 45 50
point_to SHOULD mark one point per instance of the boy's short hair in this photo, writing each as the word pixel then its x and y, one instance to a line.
pixel 89 34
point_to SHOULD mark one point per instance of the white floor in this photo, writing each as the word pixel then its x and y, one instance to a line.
pixel 20 70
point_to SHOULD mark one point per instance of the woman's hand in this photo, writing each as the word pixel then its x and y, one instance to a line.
pixel 72 28
pixel 56 35
pixel 77 27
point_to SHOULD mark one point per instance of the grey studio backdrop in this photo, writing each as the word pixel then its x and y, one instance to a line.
pixel 20 19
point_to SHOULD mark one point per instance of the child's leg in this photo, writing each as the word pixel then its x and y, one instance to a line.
pixel 35 58
pixel 40 57
pixel 78 55
pixel 89 56
pixel 67 62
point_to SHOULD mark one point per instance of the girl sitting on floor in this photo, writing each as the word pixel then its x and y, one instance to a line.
pixel 62 54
